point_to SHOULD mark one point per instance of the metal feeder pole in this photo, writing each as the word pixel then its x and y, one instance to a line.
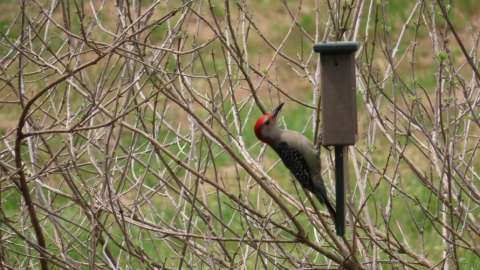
pixel 340 165
pixel 339 112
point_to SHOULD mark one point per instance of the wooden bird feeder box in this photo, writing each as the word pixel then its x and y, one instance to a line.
pixel 339 109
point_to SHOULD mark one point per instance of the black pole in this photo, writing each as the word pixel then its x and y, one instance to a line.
pixel 340 190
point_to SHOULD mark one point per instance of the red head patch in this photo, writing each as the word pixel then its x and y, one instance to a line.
pixel 259 124
pixel 263 120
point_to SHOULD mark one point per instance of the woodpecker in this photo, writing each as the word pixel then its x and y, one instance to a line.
pixel 296 153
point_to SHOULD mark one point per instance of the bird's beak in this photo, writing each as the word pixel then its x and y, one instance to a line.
pixel 277 110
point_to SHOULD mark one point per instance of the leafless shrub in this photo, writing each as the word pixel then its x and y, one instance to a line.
pixel 126 135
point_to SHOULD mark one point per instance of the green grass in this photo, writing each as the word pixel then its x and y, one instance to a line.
pixel 413 221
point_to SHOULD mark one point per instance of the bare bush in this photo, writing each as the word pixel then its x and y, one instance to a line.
pixel 126 135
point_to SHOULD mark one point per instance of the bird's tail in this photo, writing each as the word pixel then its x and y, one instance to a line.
pixel 324 200
pixel 330 208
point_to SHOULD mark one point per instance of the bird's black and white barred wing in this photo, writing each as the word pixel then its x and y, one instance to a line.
pixel 295 161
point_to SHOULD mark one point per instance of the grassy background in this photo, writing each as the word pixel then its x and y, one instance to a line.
pixel 161 206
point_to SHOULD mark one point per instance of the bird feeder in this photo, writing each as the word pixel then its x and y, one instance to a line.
pixel 339 112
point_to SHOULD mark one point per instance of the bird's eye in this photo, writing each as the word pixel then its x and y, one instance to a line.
pixel 267 122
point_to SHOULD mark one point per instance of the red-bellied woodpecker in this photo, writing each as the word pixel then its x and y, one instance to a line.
pixel 296 152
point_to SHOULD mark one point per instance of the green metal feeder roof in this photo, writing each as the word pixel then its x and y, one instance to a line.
pixel 340 47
